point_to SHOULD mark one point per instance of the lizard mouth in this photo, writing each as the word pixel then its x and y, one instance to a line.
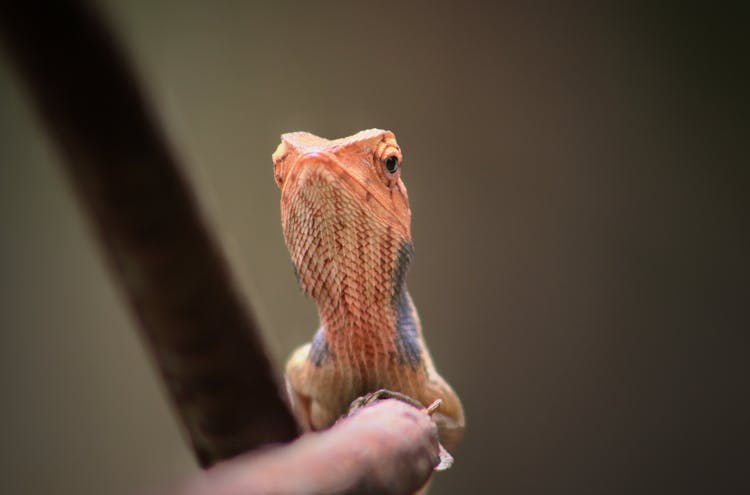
pixel 345 246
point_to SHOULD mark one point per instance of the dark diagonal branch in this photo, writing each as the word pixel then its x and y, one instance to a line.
pixel 196 324
pixel 386 448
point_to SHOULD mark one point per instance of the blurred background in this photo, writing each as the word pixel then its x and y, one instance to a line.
pixel 580 193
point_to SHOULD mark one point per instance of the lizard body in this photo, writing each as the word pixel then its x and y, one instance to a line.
pixel 347 223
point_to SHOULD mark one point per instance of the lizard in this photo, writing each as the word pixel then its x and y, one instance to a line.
pixel 346 221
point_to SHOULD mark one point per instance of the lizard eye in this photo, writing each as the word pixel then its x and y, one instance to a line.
pixel 391 164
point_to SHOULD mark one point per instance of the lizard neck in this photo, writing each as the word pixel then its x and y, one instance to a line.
pixel 380 335
pixel 370 323
pixel 350 317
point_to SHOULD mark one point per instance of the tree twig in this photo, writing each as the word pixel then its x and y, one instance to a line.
pixel 389 447
pixel 193 319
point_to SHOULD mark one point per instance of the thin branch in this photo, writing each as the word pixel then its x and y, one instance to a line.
pixel 386 448
pixel 197 325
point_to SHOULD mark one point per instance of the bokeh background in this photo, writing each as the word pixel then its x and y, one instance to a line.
pixel 580 194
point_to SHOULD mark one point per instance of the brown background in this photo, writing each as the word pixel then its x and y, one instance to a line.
pixel 579 187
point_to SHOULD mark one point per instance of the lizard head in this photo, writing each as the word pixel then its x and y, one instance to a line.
pixel 344 211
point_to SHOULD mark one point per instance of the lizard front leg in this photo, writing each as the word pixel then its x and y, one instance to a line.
pixel 450 415
pixel 314 412
pixel 307 398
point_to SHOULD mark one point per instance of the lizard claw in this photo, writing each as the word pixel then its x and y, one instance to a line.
pixel 432 408
pixel 446 460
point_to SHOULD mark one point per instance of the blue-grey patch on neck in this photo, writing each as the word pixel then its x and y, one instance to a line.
pixel 296 274
pixel 407 334
pixel 405 255
pixel 319 351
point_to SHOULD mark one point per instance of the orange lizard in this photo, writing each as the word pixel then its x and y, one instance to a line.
pixel 347 223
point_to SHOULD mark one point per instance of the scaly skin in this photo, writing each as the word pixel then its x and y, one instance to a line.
pixel 347 224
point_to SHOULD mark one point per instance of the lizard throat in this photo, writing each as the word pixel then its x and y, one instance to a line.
pixel 354 265
pixel 369 301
